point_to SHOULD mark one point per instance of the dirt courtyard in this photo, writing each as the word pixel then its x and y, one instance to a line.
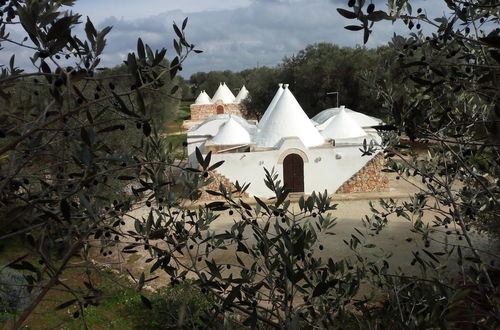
pixel 397 237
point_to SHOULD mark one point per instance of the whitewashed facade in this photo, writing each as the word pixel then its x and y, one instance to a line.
pixel 322 159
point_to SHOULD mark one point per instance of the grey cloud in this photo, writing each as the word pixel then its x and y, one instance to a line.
pixel 259 34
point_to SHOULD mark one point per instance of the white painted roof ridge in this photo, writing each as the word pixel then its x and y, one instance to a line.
pixel 343 126
pixel 224 94
pixel 203 98
pixel 242 94
pixel 271 106
pixel 231 132
pixel 288 119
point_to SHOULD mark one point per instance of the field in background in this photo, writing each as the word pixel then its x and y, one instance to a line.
pixel 182 114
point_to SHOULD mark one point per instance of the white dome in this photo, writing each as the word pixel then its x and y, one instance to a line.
pixel 211 125
pixel 203 98
pixel 287 119
pixel 271 106
pixel 326 114
pixel 231 132
pixel 324 117
pixel 242 94
pixel 223 94
pixel 342 126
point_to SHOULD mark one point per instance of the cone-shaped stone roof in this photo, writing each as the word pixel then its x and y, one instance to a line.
pixel 223 94
pixel 231 132
pixel 288 119
pixel 203 98
pixel 342 126
pixel 242 94
pixel 271 106
pixel 325 116
pixel 211 125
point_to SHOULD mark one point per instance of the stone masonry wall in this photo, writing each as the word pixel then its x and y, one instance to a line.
pixel 214 185
pixel 201 112
pixel 369 179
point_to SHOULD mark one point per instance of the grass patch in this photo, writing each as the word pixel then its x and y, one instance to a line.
pixel 119 303
pixel 115 293
pixel 182 113
pixel 185 107
pixel 182 306
pixel 178 142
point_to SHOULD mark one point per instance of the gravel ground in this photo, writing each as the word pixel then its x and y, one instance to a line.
pixel 395 238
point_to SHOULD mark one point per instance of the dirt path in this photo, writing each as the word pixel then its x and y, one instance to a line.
pixel 397 238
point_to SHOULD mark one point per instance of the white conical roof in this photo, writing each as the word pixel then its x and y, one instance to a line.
pixel 231 132
pixel 324 117
pixel 203 98
pixel 342 126
pixel 242 94
pixel 211 125
pixel 228 92
pixel 287 119
pixel 223 94
pixel 271 106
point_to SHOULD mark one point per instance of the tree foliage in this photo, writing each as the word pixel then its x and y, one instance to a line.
pixel 73 168
pixel 445 96
pixel 72 159
pixel 315 74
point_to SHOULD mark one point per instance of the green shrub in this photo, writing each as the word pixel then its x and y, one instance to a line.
pixel 179 306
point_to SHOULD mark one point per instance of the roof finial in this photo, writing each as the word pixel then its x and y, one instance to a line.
pixel 281 85
pixel 286 86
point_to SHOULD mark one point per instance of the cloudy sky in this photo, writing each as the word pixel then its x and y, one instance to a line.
pixel 234 34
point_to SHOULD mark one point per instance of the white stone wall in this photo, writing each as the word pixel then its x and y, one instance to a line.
pixel 327 168
pixel 193 143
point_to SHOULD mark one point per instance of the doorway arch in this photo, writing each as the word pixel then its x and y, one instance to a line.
pixel 293 173
pixel 220 109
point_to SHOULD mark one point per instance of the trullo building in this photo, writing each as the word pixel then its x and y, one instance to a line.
pixel 222 102
pixel 308 154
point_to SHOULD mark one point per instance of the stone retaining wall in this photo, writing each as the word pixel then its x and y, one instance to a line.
pixel 369 179
pixel 214 185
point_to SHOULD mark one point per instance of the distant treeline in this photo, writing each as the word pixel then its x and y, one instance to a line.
pixel 314 74
pixel 33 95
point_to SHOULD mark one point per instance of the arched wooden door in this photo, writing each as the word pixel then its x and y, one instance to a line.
pixel 220 109
pixel 293 173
